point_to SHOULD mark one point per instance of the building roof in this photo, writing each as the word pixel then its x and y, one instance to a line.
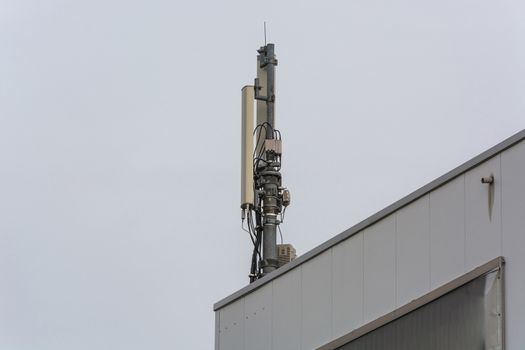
pixel 375 218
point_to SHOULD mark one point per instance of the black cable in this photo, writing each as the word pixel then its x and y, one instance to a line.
pixel 253 265
pixel 250 228
pixel 261 126
pixel 258 222
pixel 275 132
pixel 256 161
pixel 254 269
pixel 257 246
pixel 252 237
pixel 248 231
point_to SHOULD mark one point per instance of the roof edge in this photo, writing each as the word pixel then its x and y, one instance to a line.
pixel 440 181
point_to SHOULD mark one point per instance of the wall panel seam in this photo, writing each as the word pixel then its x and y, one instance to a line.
pixel 395 259
pixel 464 223
pixel 301 309
pixel 500 204
pixel 243 323
pixel 270 340
pixel 331 292
pixel 362 277
pixel 429 243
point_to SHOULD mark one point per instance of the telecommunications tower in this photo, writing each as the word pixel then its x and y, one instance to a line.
pixel 263 198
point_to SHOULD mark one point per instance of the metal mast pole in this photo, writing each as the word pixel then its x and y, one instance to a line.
pixel 268 176
pixel 263 199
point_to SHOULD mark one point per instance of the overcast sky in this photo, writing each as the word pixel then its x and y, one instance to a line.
pixel 120 144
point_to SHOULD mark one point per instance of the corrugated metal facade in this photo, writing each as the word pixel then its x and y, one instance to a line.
pixel 443 234
pixel 468 318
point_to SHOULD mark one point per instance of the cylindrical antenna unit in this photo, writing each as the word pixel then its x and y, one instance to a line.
pixel 247 148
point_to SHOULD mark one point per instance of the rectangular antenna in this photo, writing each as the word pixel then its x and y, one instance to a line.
pixel 247 148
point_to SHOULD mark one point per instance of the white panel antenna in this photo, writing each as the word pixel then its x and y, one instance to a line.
pixel 247 148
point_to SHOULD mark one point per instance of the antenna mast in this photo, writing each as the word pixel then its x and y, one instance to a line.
pixel 264 205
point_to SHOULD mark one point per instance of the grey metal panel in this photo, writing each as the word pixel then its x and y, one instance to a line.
pixel 447 232
pixel 317 301
pixel 495 265
pixel 483 214
pixel 217 328
pixel 376 217
pixel 258 318
pixel 379 268
pixel 286 311
pixel 513 242
pixel 347 285
pixel 413 251
pixel 231 331
pixel 467 318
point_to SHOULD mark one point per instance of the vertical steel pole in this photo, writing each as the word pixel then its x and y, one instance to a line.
pixel 270 62
pixel 269 180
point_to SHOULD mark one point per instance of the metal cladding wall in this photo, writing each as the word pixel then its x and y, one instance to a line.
pixel 450 229
pixel 466 318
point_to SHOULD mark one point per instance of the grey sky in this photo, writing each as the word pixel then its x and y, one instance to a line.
pixel 119 144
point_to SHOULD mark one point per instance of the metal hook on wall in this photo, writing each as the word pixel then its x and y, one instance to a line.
pixel 490 181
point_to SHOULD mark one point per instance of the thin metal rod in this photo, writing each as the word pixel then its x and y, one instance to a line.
pixel 264 33
pixel 270 89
